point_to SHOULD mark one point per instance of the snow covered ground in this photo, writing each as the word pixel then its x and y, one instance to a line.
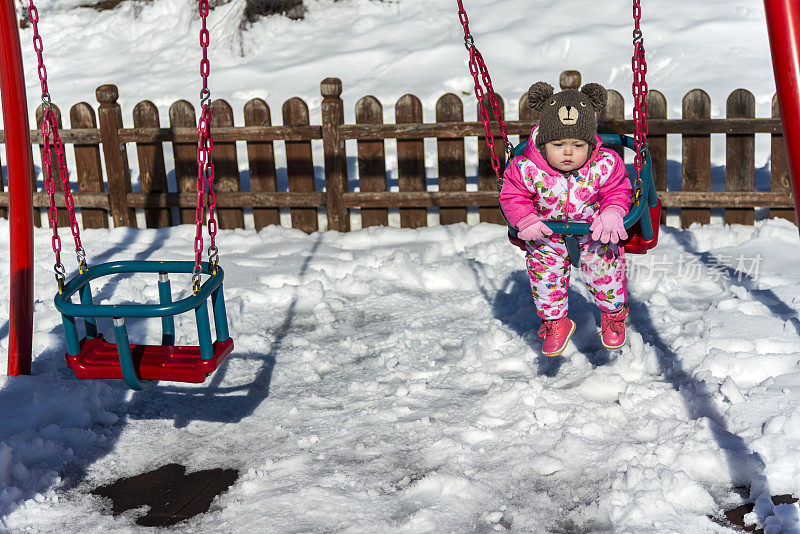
pixel 389 380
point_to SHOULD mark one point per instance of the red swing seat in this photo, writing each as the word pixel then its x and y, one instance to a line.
pixel 100 359
pixel 636 244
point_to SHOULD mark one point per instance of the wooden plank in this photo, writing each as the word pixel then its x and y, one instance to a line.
pixel 489 198
pixel 88 167
pixel 55 173
pixel 721 199
pixel 82 200
pixel 422 199
pixel 229 133
pixel 261 199
pixel 261 158
pixel 740 170
pixel 452 169
pixel 487 178
pixel 226 166
pixel 614 110
pixel 696 126
pixel 300 165
pixel 181 114
pixel 657 143
pixel 409 131
pixel 152 169
pixel 371 162
pixel 780 180
pixel 411 161
pixel 696 162
pixel 116 156
pixel 278 199
pixel 394 199
pixel 72 135
pixel 333 146
pixel 469 129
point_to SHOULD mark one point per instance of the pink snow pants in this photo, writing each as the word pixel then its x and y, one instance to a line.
pixel 602 266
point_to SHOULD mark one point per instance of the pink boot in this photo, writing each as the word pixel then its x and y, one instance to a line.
pixel 555 334
pixel 612 328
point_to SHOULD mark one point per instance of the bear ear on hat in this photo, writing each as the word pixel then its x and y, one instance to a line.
pixel 538 95
pixel 597 95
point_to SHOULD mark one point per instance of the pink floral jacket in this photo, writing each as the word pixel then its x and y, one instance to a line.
pixel 531 185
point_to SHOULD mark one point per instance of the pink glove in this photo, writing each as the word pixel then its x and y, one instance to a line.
pixel 531 228
pixel 608 225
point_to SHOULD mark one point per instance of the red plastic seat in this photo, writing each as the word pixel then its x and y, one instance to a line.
pixel 99 359
pixel 636 244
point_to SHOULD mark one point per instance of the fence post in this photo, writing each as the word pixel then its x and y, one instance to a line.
pixel 261 157
pixel 779 178
pixel 657 109
pixel 87 165
pixel 226 167
pixel 740 171
pixel 526 114
pixel 696 156
pixel 614 110
pixel 115 155
pixel 410 160
pixel 63 215
pixel 300 165
pixel 371 161
pixel 569 79
pixel 450 152
pixel 487 179
pixel 181 115
pixel 335 154
pixel 152 169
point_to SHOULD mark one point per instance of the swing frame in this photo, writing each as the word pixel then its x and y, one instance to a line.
pixel 139 365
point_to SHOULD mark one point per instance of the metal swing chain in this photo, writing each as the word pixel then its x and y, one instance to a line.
pixel 205 165
pixel 477 66
pixel 639 66
pixel 50 128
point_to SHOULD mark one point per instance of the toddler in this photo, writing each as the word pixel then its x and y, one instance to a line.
pixel 565 174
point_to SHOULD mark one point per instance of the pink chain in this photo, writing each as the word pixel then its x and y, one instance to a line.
pixel 50 127
pixel 205 166
pixel 639 66
pixel 476 67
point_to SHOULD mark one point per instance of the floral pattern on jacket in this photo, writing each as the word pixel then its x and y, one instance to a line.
pixel 531 185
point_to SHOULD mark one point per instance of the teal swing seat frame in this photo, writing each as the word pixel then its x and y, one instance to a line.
pixel 139 365
pixel 644 198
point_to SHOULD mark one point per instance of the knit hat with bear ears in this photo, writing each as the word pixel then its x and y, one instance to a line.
pixel 570 114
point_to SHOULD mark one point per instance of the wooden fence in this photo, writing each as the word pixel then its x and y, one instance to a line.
pixel 104 135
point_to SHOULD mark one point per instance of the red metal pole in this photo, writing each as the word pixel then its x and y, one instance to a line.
pixel 20 210
pixel 783 27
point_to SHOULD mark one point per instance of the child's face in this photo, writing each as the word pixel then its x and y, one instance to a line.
pixel 567 154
